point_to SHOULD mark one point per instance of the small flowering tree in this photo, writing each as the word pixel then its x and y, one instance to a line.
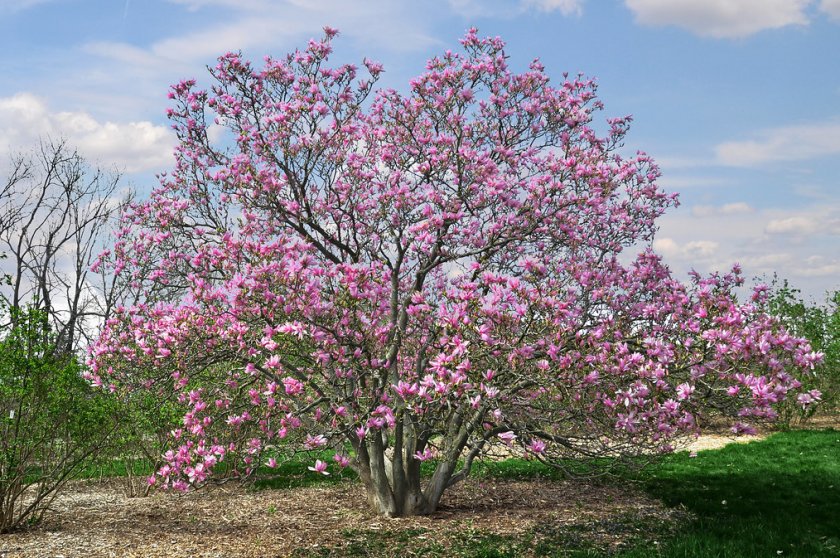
pixel 411 277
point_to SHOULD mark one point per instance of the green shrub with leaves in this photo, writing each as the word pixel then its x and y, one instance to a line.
pixel 53 423
pixel 820 324
pixel 144 426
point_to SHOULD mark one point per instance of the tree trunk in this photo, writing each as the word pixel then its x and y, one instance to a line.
pixel 392 478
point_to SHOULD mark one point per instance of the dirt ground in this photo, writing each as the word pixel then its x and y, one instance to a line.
pixel 96 519
pixel 93 519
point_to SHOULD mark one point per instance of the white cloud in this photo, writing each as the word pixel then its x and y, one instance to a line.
pixel 766 262
pixel 673 183
pixel 198 4
pixel 97 77
pixel 260 23
pixel 497 9
pixel 736 208
pixel 131 146
pixel 133 56
pixel 720 18
pixel 257 27
pixel 565 7
pixel 666 246
pixel 820 266
pixel 668 163
pixel 700 248
pixel 505 9
pixel 20 5
pixel 797 243
pixel 726 209
pixel 831 8
pixel 788 143
pixel 822 223
pixel 692 250
pixel 796 226
pixel 213 41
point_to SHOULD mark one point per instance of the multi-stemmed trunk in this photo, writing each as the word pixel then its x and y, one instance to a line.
pixel 390 472
pixel 394 487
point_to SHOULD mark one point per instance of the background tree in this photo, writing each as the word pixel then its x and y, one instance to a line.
pixel 820 324
pixel 53 422
pixel 413 277
pixel 55 215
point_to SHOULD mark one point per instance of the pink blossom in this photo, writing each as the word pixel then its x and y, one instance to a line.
pixel 426 454
pixel 741 428
pixel 292 386
pixel 340 265
pixel 684 391
pixel 807 399
pixel 320 467
pixel 507 437
pixel 536 446
pixel 314 442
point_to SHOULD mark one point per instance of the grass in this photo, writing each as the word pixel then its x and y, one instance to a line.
pixel 569 541
pixel 777 497
pixel 523 469
pixel 294 472
pixel 117 468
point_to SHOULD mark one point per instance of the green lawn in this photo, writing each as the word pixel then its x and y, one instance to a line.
pixel 777 497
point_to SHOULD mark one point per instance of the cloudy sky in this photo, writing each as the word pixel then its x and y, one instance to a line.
pixel 739 100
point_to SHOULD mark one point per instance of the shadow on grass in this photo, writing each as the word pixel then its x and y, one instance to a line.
pixel 778 497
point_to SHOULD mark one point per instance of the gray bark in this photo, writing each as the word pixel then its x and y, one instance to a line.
pixel 55 216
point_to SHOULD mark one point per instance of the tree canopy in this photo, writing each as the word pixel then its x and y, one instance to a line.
pixel 403 277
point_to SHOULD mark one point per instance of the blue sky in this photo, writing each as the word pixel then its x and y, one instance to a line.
pixel 739 100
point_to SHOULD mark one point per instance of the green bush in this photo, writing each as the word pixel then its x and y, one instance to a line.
pixel 820 324
pixel 144 423
pixel 53 423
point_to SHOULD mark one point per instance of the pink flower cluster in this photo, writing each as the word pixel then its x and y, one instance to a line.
pixel 443 265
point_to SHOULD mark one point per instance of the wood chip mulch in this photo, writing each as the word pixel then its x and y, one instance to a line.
pixel 95 519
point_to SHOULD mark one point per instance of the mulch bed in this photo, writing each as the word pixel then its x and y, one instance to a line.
pixel 96 519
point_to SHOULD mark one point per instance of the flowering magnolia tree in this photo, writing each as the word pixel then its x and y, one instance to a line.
pixel 409 277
